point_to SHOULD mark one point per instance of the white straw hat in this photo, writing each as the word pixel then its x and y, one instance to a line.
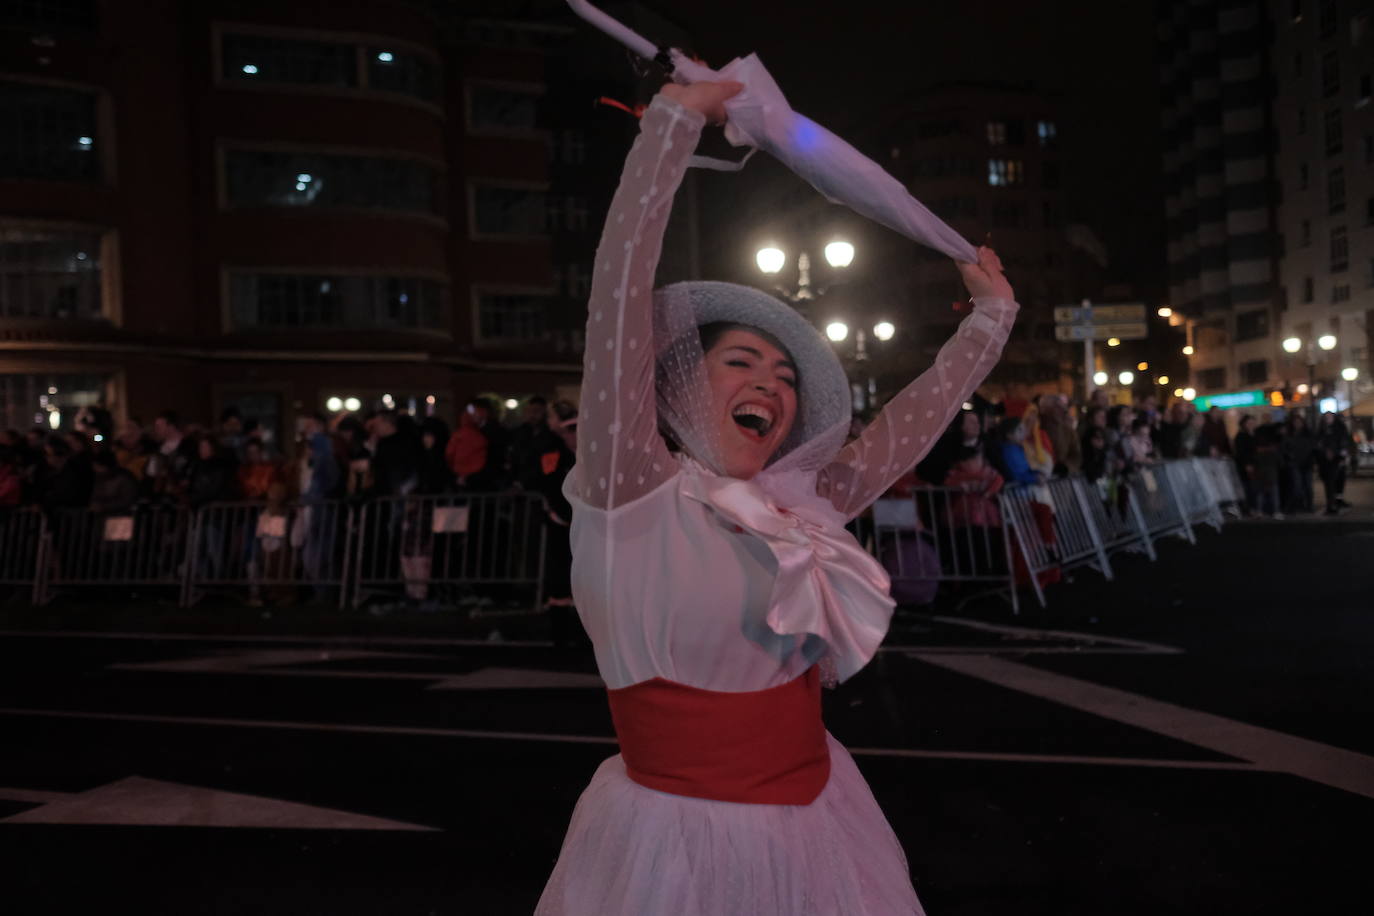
pixel 823 392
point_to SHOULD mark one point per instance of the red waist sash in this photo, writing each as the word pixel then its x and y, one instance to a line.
pixel 764 747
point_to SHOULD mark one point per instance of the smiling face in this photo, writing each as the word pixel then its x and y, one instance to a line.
pixel 753 386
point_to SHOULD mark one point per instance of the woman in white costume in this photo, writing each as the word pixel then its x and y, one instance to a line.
pixel 716 580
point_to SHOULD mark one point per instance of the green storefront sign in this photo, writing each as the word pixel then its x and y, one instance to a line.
pixel 1232 399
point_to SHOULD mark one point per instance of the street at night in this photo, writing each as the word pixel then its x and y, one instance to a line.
pixel 1190 739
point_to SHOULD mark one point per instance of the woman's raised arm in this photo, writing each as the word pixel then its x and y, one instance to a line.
pixel 912 421
pixel 620 455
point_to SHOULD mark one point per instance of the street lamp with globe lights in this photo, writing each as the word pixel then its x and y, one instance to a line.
pixel 771 259
pixel 1100 379
pixel 1293 345
pixel 1126 378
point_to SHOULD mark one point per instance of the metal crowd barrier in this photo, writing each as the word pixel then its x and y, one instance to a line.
pixel 253 548
pixel 143 548
pixel 23 537
pixel 1060 525
pixel 423 546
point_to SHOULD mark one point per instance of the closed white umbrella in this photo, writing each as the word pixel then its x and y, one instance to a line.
pixel 760 117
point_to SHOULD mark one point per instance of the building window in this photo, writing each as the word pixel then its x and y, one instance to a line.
pixel 1304 176
pixel 1340 250
pixel 1335 140
pixel 1004 172
pixel 50 274
pixel 1328 18
pixel 1008 215
pixel 512 317
pixel 50 401
pixel 1212 379
pixel 344 302
pixel 260 59
pixel 1046 133
pixel 1340 293
pixel 1254 372
pixel 1305 233
pixel 1252 325
pixel 496 108
pixel 997 133
pixel 1308 294
pixel 1331 74
pixel 508 211
pixel 258 178
pixel 1050 175
pixel 390 70
pixel 1335 190
pixel 249 59
pixel 579 281
pixel 572 147
pixel 44 15
pixel 48 133
pixel 932 130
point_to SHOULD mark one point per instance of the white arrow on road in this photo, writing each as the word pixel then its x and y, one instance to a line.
pixel 137 801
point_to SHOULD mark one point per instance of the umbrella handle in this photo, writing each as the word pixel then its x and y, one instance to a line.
pixel 685 70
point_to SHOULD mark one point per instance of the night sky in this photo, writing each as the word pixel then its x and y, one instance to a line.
pixel 843 63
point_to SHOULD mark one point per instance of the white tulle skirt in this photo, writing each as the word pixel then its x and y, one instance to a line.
pixel 635 851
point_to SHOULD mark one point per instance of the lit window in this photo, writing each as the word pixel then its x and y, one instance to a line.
pixel 1046 132
pixel 407 74
pixel 286 60
pixel 1004 172
pixel 49 273
pixel 1331 74
pixel 52 401
pixel 259 178
pixel 47 133
pixel 997 133
pixel 385 57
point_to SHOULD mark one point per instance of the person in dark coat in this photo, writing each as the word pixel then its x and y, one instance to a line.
pixel 1244 450
pixel 396 464
pixel 115 489
pixel 435 476
pixel 1299 451
pixel 1334 445
pixel 529 442
pixel 554 465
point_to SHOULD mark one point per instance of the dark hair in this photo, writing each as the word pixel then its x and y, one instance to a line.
pixel 712 332
pixel 1139 424
pixel 966 452
pixel 537 401
pixel 230 413
pixel 170 418
pixel 105 460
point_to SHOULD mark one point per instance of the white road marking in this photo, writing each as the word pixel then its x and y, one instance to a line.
pixel 136 801
pixel 316 640
pixel 279 662
pixel 1093 638
pixel 1267 749
pixel 606 740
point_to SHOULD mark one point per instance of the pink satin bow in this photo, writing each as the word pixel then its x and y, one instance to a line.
pixel 826 584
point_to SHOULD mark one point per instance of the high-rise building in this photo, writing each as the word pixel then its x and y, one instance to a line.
pixel 988 161
pixel 1220 188
pixel 1323 61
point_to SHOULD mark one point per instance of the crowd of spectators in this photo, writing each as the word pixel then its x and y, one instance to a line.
pixel 1025 443
pixel 347 456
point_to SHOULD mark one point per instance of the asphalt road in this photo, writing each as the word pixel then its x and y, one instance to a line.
pixel 1191 738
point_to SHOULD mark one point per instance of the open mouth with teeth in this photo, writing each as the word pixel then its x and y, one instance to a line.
pixel 754 419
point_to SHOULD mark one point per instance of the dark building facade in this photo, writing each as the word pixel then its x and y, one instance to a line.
pixel 1221 192
pixel 284 207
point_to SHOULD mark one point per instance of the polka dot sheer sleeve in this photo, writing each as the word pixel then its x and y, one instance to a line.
pixel 620 454
pixel 911 422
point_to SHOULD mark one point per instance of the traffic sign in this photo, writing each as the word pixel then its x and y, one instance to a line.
pixel 1099 314
pixel 1135 330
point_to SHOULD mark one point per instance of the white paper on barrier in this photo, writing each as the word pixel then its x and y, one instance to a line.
pixel 271 526
pixel 895 513
pixel 450 520
pixel 1151 485
pixel 119 528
